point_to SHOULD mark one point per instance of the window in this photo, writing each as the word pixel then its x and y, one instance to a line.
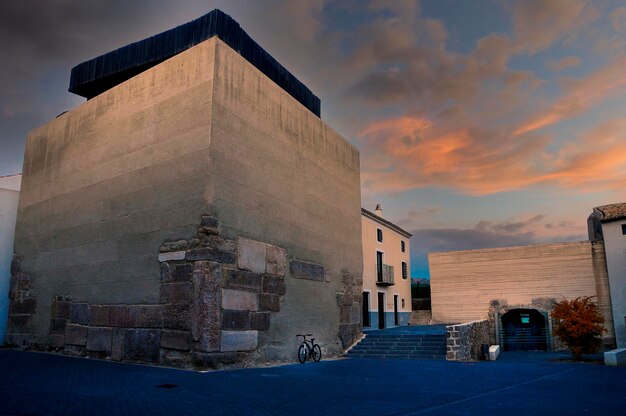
pixel 624 229
pixel 402 246
pixel 402 303
pixel 379 235
pixel 405 272
pixel 379 265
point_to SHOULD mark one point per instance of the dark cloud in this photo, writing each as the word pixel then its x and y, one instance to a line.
pixel 428 240
pixel 485 234
pixel 41 41
pixel 510 227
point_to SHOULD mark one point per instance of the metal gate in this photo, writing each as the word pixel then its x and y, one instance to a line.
pixel 524 330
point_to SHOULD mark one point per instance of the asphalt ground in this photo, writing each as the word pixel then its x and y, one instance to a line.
pixel 517 384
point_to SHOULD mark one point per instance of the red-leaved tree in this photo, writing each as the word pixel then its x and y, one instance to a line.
pixel 579 324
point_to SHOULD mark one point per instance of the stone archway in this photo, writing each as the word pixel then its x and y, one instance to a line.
pixel 524 329
pixel 498 308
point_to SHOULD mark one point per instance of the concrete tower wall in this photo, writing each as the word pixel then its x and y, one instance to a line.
pixel 199 140
pixel 280 175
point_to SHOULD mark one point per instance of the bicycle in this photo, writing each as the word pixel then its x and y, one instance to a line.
pixel 308 349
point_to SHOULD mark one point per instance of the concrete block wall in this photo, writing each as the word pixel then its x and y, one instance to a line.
pixel 111 181
pixel 465 284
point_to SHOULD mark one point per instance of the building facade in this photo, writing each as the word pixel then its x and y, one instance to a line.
pixel 196 213
pixel 608 224
pixel 386 272
pixel 516 288
pixel 9 198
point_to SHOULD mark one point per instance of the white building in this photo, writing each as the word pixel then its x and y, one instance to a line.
pixel 9 197
pixel 608 223
pixel 386 272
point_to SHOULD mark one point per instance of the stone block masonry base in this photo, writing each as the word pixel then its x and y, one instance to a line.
pixel 464 341
pixel 216 297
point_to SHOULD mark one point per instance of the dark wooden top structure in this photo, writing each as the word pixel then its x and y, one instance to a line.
pixel 100 74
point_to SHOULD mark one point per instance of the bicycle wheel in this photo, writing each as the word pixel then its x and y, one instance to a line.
pixel 317 353
pixel 302 353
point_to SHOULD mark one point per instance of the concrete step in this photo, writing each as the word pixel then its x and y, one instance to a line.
pixel 377 345
pixel 385 352
pixel 401 356
pixel 405 346
pixel 403 341
pixel 388 351
pixel 401 347
pixel 404 336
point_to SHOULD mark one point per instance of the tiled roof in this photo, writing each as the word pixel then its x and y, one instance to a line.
pixel 612 212
pixel 386 223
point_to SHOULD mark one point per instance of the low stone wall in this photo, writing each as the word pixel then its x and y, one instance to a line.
pixel 464 341
pixel 420 318
pixel 421 304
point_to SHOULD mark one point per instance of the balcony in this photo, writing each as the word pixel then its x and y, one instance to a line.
pixel 386 279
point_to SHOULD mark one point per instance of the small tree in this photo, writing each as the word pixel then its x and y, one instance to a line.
pixel 579 324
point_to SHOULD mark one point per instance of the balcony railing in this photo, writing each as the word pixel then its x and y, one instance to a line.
pixel 387 277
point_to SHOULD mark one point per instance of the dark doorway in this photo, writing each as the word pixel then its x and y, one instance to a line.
pixel 381 310
pixel 379 266
pixel 366 309
pixel 396 320
pixel 524 330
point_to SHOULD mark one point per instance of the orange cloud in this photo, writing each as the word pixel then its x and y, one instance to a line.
pixel 580 95
pixel 598 159
pixel 471 122
pixel 538 25
pixel 618 19
pixel 411 152
pixel 563 63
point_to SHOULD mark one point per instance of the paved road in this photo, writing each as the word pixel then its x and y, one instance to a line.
pixel 525 384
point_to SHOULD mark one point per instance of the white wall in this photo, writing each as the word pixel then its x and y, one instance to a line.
pixel 393 256
pixel 9 198
pixel 615 248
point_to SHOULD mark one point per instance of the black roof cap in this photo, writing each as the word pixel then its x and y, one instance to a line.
pixel 100 74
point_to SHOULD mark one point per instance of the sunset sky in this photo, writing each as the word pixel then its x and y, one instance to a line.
pixel 480 123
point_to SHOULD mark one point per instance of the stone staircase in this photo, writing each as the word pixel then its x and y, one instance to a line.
pixel 408 346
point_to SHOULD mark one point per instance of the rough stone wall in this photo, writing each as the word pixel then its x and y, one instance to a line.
pixel 349 302
pixel 22 307
pixel 499 307
pixel 423 317
pixel 464 341
pixel 216 296
pixel 106 184
pixel 464 284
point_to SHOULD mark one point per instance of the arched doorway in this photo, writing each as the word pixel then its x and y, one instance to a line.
pixel 524 330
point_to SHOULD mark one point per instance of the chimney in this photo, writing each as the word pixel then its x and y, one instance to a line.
pixel 379 211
